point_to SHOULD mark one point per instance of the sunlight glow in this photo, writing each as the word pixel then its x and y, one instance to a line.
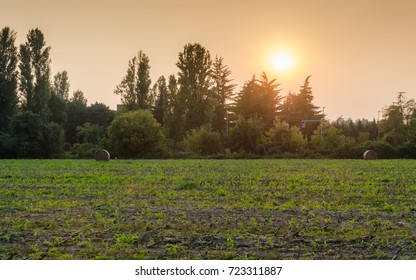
pixel 282 61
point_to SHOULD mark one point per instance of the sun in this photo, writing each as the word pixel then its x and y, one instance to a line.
pixel 282 61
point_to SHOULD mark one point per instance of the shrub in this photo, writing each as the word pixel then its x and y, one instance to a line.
pixel 203 141
pixel 8 145
pixel 407 150
pixel 36 138
pixel 136 134
pixel 247 135
pixel 383 149
pixel 84 150
pixel 284 139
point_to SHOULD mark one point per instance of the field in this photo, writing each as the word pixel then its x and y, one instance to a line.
pixel 207 209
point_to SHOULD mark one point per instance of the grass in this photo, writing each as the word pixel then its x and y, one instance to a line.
pixel 207 209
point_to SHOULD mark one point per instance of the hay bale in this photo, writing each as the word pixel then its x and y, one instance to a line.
pixel 370 154
pixel 102 155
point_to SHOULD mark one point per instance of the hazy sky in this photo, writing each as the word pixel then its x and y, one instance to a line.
pixel 360 53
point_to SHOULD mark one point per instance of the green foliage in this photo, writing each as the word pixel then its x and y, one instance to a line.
pixel 57 108
pixel 247 135
pixel 136 134
pixel 36 139
pixel 298 107
pixel 383 149
pixel 134 89
pixel 222 91
pixel 52 140
pixel 194 80
pixel 326 137
pixel 60 86
pixel 284 139
pixel 35 73
pixel 99 114
pixel 407 150
pixel 89 133
pixel 84 150
pixel 8 77
pixel 160 91
pixel 8 145
pixel 203 141
pixel 76 112
pixel 173 121
pixel 259 98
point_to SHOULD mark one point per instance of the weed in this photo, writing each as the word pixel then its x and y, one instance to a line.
pixel 221 192
pixel 230 242
pixel 127 239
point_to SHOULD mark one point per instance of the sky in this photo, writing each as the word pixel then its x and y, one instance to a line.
pixel 359 53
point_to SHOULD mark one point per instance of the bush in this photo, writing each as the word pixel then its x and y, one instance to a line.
pixel 247 135
pixel 8 145
pixel 347 150
pixel 203 141
pixel 283 139
pixel 136 134
pixel 84 150
pixel 35 138
pixel 407 150
pixel 383 149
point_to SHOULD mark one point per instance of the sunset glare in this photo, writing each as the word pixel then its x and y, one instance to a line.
pixel 282 61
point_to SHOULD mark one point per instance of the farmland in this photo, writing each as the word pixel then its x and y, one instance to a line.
pixel 207 209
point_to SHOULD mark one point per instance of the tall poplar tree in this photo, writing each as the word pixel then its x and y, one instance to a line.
pixel 59 98
pixel 194 79
pixel 134 89
pixel 160 91
pixel 35 73
pixel 173 117
pixel 8 76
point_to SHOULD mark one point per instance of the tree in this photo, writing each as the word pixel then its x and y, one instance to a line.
pixel 203 141
pixel 298 107
pixel 60 86
pixel 396 120
pixel 270 99
pixel 8 76
pixel 59 98
pixel 222 91
pixel 134 89
pixel 247 135
pixel 194 79
pixel 76 112
pixel 174 115
pixel 35 74
pixel 282 138
pixel 161 105
pixel 90 133
pixel 259 98
pixel 327 137
pixel 136 134
pixel 36 139
pixel 99 114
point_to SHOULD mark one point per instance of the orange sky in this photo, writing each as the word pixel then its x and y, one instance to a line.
pixel 360 53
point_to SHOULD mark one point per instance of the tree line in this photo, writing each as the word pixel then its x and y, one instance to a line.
pixel 196 112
